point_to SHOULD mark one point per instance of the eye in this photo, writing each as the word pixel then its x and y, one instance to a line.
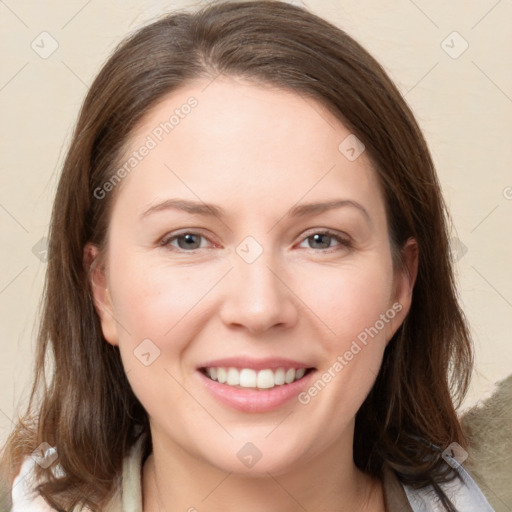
pixel 323 239
pixel 187 241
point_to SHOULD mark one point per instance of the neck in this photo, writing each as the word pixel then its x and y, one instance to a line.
pixel 174 480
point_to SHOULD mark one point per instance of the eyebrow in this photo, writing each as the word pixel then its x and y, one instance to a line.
pixel 211 210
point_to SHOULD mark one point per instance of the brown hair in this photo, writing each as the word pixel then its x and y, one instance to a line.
pixel 409 415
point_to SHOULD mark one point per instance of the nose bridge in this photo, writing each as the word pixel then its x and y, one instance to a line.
pixel 258 299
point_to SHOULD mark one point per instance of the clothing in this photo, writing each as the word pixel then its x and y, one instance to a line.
pixel 466 496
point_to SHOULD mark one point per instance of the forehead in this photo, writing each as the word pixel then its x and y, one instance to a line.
pixel 239 143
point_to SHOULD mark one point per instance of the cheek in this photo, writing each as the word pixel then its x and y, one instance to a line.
pixel 353 305
pixel 162 304
pixel 157 300
pixel 348 299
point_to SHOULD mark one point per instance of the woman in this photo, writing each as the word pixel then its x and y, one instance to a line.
pixel 249 297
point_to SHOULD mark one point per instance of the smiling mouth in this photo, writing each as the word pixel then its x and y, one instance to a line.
pixel 247 378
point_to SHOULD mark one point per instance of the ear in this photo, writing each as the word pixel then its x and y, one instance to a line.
pixel 97 276
pixel 404 280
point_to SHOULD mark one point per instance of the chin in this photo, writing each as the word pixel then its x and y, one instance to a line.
pixel 254 459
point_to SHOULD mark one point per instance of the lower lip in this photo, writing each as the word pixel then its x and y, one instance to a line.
pixel 252 400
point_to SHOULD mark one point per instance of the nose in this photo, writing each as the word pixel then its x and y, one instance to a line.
pixel 259 295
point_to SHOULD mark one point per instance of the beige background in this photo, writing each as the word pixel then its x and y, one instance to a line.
pixel 463 103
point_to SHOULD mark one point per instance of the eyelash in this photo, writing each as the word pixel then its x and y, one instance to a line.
pixel 343 242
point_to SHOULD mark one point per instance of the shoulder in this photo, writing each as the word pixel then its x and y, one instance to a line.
pixel 127 493
pixel 463 492
pixel 25 497
pixel 24 494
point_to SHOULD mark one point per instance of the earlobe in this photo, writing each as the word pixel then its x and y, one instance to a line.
pixel 97 277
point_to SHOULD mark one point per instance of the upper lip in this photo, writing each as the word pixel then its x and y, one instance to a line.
pixel 255 364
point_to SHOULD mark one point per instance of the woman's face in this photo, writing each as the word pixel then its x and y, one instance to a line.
pixel 253 283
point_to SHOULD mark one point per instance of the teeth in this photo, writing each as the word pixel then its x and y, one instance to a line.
pixel 279 377
pixel 221 375
pixel 233 377
pixel 300 373
pixel 265 379
pixel 249 378
pixel 290 375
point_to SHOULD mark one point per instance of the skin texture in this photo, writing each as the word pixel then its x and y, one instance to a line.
pixel 256 151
